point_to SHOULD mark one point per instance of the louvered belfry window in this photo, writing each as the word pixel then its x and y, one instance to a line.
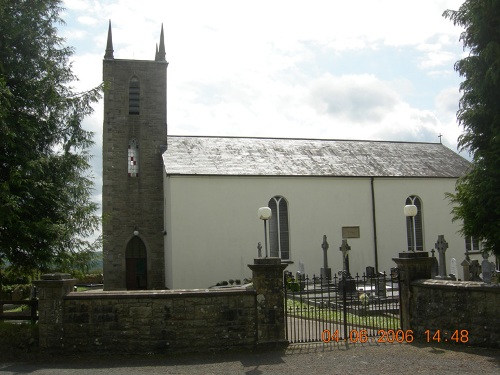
pixel 133 96
pixel 414 227
pixel 133 158
pixel 279 237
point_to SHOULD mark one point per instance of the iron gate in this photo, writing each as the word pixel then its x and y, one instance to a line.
pixel 352 309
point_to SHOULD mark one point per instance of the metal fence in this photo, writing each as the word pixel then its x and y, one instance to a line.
pixel 343 309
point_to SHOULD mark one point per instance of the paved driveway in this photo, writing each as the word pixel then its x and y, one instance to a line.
pixel 304 359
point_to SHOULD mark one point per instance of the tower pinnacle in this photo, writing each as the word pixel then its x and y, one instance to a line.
pixel 160 56
pixel 109 45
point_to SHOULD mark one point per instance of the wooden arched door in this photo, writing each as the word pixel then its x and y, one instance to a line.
pixel 136 264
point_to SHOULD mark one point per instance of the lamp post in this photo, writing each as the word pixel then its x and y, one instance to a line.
pixel 265 214
pixel 410 210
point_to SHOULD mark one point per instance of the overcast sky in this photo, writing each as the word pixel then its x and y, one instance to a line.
pixel 366 69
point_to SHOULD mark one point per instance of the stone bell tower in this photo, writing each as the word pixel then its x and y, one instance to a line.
pixel 134 137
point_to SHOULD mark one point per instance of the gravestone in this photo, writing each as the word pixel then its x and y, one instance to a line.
pixel 302 268
pixel 347 283
pixel 474 270
pixel 453 269
pixel 487 269
pixel 434 266
pixel 441 246
pixel 380 287
pixel 370 271
pixel 466 266
pixel 300 279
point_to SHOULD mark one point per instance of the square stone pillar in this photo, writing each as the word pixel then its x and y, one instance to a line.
pixel 412 266
pixel 267 278
pixel 51 290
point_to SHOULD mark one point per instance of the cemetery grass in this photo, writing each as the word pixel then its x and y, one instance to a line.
pixel 303 310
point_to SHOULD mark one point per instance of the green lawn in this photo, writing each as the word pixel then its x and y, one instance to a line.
pixel 364 319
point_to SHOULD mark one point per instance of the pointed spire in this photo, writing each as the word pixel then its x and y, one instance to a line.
pixel 161 50
pixel 109 44
pixel 156 54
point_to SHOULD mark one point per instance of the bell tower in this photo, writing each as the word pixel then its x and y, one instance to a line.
pixel 134 138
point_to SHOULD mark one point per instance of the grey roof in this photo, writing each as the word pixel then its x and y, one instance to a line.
pixel 236 156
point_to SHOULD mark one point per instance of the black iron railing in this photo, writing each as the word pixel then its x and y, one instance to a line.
pixel 343 308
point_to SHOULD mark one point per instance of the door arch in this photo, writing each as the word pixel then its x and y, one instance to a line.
pixel 136 264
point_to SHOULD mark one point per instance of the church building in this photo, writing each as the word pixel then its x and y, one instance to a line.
pixel 181 211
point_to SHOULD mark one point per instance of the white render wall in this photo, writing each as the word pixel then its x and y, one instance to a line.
pixel 213 229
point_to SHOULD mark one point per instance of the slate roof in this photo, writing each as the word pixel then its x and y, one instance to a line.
pixel 237 156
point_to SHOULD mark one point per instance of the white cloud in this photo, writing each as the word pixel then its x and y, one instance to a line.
pixel 76 4
pixel 447 100
pixel 354 98
pixel 435 55
pixel 86 20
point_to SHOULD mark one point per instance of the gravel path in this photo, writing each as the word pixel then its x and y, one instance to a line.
pixel 304 359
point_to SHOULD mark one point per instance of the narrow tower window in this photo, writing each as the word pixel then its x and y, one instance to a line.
pixel 133 158
pixel 133 96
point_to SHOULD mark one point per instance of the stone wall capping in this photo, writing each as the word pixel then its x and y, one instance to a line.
pixel 56 276
pixel 159 294
pixel 453 284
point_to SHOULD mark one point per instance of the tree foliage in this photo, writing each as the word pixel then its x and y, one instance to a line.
pixel 46 210
pixel 477 195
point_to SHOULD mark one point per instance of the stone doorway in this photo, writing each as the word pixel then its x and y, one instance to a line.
pixel 136 264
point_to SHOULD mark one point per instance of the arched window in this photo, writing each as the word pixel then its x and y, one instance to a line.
pixel 279 237
pixel 414 228
pixel 133 158
pixel 136 264
pixel 133 96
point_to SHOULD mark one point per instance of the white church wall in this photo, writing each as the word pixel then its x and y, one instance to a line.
pixel 213 229
pixel 437 219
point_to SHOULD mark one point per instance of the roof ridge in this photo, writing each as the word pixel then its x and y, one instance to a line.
pixel 301 139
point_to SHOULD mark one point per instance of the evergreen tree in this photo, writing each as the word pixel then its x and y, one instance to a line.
pixel 477 195
pixel 46 211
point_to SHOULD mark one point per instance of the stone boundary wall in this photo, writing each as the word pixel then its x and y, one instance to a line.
pixel 159 321
pixel 447 306
pixel 163 321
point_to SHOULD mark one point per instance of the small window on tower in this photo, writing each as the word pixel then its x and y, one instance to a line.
pixel 133 158
pixel 133 96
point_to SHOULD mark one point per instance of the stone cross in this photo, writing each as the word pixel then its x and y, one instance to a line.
pixel 441 246
pixel 325 272
pixel 325 247
pixel 345 248
pixel 259 250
